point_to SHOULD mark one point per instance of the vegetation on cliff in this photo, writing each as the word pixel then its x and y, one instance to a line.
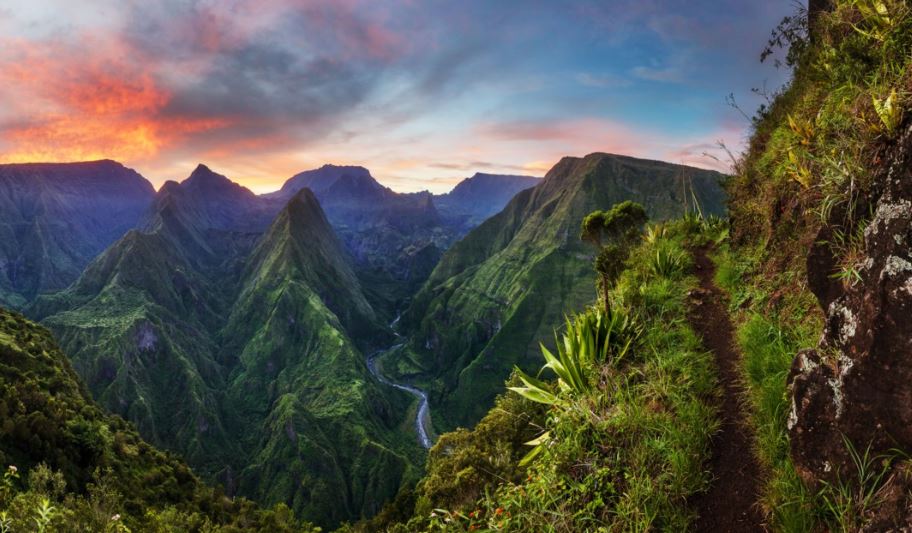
pixel 612 435
pixel 815 226
pixel 69 466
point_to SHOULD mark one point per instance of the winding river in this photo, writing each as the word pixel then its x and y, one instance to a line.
pixel 423 417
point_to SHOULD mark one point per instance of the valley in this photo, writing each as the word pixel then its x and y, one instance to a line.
pixel 423 414
pixel 716 341
pixel 247 332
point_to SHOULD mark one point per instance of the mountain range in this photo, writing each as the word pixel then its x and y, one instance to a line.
pixel 235 329
pixel 480 197
pixel 394 238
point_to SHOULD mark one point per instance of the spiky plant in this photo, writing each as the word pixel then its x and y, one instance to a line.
pixel 596 336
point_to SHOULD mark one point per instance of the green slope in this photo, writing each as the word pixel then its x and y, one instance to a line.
pixel 509 283
pixel 139 325
pixel 48 418
pixel 219 335
pixel 317 431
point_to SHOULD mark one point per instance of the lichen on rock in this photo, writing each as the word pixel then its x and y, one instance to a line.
pixel 856 386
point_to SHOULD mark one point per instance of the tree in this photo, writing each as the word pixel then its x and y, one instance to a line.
pixel 624 221
pixel 621 227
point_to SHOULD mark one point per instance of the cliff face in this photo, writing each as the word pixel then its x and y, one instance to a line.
pixel 501 290
pixel 54 218
pixel 821 210
pixel 857 383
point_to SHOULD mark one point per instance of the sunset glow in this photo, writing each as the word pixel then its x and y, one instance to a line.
pixel 421 94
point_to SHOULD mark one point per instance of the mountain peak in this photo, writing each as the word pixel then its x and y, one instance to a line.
pixel 305 198
pixel 327 177
pixel 349 169
pixel 203 174
pixel 205 180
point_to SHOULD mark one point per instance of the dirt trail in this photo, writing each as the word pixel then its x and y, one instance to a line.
pixel 731 503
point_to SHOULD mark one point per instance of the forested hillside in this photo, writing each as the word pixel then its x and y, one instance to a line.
pixel 69 466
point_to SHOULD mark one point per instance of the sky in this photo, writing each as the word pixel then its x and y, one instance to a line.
pixel 422 93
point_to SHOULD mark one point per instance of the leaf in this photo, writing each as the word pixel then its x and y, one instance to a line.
pixel 541 439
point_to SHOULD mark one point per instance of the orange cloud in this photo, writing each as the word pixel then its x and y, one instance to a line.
pixel 86 106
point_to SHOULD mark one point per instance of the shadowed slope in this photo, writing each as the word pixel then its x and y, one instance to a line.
pixel 54 218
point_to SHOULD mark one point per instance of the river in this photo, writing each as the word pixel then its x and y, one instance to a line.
pixel 423 416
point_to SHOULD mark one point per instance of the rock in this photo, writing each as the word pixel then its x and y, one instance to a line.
pixel 857 385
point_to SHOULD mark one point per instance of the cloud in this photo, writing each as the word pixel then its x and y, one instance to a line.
pixel 665 75
pixel 472 167
pixel 415 91
pixel 602 81
pixel 85 106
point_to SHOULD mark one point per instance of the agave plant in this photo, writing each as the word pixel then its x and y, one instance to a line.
pixel 592 337
pixel 880 17
pixel 655 232
pixel 667 263
pixel 889 110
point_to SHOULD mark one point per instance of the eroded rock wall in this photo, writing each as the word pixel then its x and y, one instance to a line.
pixel 856 386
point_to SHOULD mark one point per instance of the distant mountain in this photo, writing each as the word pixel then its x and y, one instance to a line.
pixel 212 218
pixel 235 337
pixel 482 196
pixel 504 288
pixel 394 238
pixel 360 184
pixel 55 218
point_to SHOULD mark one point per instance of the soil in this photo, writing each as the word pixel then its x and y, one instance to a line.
pixel 730 504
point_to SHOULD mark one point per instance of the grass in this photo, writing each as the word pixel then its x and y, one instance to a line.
pixel 623 442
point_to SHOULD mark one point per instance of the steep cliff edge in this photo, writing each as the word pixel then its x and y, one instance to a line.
pixel 821 216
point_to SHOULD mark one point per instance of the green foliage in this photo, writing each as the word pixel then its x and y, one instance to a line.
pixel 849 500
pixel 621 226
pixel 621 223
pixel 889 111
pixel 83 466
pixel 593 337
pixel 627 426
pixel 44 514
pixel 667 262
pixel 880 17
pixel 609 263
